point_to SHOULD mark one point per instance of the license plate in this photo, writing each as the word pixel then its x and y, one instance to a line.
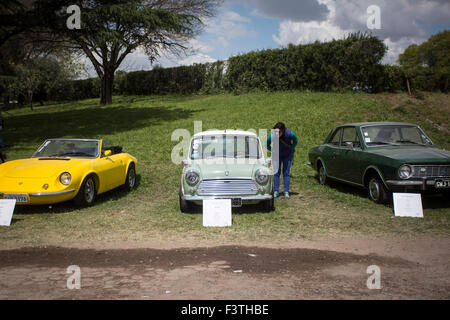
pixel 442 184
pixel 19 197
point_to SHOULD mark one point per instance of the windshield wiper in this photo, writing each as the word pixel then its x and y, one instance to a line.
pixel 75 154
pixel 408 141
pixel 380 142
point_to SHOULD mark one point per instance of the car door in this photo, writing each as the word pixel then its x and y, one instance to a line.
pixel 330 153
pixel 348 157
pixel 110 169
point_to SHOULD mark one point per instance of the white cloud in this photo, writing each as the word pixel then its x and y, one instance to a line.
pixel 300 32
pixel 403 22
pixel 306 32
pixel 197 58
pixel 234 16
pixel 230 25
pixel 206 47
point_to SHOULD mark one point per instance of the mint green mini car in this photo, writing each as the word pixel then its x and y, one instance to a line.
pixel 226 164
pixel 383 157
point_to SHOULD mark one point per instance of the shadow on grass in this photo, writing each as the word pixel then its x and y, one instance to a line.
pixel 245 209
pixel 88 122
pixel 429 200
pixel 69 206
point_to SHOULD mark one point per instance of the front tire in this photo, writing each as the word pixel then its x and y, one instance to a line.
pixel 185 206
pixel 87 193
pixel 323 179
pixel 130 181
pixel 268 205
pixel 376 190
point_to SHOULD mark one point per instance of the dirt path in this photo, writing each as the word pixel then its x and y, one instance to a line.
pixel 325 269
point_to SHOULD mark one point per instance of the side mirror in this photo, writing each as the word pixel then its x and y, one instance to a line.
pixel 108 153
pixel 268 161
pixel 349 144
pixel 184 163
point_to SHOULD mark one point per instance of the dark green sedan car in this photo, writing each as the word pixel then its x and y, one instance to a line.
pixel 383 157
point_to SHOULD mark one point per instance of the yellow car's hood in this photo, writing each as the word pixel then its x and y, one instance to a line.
pixel 38 167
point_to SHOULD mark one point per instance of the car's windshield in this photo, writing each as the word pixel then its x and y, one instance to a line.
pixel 225 146
pixel 394 135
pixel 68 148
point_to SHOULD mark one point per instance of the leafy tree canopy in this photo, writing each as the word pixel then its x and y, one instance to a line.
pixel 433 53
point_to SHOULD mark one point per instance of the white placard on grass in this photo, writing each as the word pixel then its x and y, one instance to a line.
pixel 217 213
pixel 408 205
pixel 6 211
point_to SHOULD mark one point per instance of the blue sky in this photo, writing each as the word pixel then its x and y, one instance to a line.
pixel 248 25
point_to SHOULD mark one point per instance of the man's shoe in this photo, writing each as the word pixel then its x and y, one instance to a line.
pixel 276 194
pixel 286 195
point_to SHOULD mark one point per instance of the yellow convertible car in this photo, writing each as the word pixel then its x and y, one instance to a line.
pixel 66 169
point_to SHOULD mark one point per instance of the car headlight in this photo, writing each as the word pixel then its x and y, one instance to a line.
pixel 261 176
pixel 192 177
pixel 65 178
pixel 405 172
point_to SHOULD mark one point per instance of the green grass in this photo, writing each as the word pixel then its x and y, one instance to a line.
pixel 144 125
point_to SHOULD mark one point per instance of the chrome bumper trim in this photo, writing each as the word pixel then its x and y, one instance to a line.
pixel 404 183
pixel 45 194
pixel 197 198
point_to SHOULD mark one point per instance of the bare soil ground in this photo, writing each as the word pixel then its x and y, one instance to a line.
pixel 321 269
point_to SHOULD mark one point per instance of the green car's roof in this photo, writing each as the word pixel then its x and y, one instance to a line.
pixel 362 124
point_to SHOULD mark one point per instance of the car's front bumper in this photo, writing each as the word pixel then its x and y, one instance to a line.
pixel 40 198
pixel 236 200
pixel 243 198
pixel 425 184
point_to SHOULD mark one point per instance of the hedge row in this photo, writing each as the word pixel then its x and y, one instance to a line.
pixel 72 90
pixel 349 64
pixel 206 77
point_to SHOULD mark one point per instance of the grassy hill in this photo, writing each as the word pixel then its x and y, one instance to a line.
pixel 144 126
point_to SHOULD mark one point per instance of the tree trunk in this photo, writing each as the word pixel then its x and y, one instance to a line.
pixel 30 99
pixel 107 87
pixel 6 100
pixel 407 84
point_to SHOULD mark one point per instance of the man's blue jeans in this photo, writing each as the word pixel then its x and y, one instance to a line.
pixel 286 163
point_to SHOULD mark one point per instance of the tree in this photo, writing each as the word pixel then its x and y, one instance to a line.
pixel 432 55
pixel 43 73
pixel 112 29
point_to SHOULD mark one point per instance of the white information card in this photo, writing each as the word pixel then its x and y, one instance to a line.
pixel 408 205
pixel 217 213
pixel 6 211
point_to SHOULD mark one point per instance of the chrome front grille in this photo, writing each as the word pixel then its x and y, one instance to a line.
pixel 222 187
pixel 426 171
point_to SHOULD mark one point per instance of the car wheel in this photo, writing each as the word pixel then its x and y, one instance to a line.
pixel 185 206
pixel 322 175
pixel 376 190
pixel 87 193
pixel 269 205
pixel 130 181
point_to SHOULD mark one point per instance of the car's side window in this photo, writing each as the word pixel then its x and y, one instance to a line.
pixel 335 138
pixel 350 135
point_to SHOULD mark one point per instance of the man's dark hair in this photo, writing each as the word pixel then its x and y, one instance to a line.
pixel 281 126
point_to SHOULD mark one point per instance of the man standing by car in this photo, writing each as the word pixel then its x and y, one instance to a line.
pixel 287 141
